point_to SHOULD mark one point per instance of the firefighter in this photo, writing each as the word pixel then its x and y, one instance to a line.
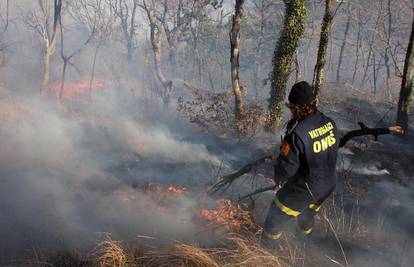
pixel 306 161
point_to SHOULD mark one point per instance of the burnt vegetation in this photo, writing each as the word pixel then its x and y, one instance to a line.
pixel 139 132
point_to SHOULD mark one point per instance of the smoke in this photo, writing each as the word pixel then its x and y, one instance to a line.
pixel 371 170
pixel 388 217
pixel 346 162
pixel 385 208
pixel 64 178
pixel 158 143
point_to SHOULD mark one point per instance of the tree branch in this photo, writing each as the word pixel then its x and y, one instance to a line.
pixel 225 182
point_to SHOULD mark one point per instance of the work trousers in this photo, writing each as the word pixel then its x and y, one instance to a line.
pixel 281 217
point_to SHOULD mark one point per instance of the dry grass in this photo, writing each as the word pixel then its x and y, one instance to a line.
pixel 240 247
pixel 110 253
pixel 249 253
pixel 179 255
pixel 237 251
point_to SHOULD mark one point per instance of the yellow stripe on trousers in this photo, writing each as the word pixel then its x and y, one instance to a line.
pixel 314 207
pixel 273 236
pixel 285 209
pixel 307 232
pixel 292 212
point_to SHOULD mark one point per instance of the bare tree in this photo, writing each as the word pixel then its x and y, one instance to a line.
pixel 155 38
pixel 173 18
pixel 126 11
pixel 404 103
pixel 262 18
pixel 293 27
pixel 234 59
pixel 358 46
pixel 99 19
pixel 371 58
pixel 388 52
pixel 319 75
pixel 66 58
pixel 342 50
pixel 40 23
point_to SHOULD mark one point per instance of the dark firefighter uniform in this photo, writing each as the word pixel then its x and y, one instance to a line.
pixel 307 160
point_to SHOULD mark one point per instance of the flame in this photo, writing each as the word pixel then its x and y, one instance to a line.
pixel 225 213
pixel 73 91
pixel 159 189
pixel 229 214
pixel 176 190
pixel 165 197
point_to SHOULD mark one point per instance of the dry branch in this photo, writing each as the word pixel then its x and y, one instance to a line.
pixel 369 131
pixel 225 182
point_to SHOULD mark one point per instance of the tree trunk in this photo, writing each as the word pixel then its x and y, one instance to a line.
pixel 298 73
pixel 95 56
pixel 234 59
pixel 156 48
pixel 375 73
pixel 50 46
pixel 341 53
pixel 62 82
pixel 358 46
pixel 293 28
pixel 388 51
pixel 319 76
pixel 404 103
pixel 46 69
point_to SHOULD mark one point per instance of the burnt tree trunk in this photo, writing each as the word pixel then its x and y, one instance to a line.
pixel 319 75
pixel 341 52
pixel 293 28
pixel 404 102
pixel 234 60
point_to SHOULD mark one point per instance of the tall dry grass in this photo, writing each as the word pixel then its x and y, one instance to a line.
pixel 237 251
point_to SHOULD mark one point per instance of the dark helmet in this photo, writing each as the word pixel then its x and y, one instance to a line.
pixel 301 94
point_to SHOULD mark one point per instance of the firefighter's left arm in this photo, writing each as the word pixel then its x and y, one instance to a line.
pixel 288 161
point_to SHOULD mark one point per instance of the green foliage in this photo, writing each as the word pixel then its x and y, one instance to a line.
pixel 293 28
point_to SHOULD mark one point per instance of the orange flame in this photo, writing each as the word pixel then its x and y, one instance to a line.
pixel 165 197
pixel 73 91
pixel 229 214
pixel 176 190
pixel 225 213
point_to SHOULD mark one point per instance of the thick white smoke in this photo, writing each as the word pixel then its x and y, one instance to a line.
pixel 63 178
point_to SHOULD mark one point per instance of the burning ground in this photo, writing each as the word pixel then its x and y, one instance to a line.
pixel 65 178
pixel 69 175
